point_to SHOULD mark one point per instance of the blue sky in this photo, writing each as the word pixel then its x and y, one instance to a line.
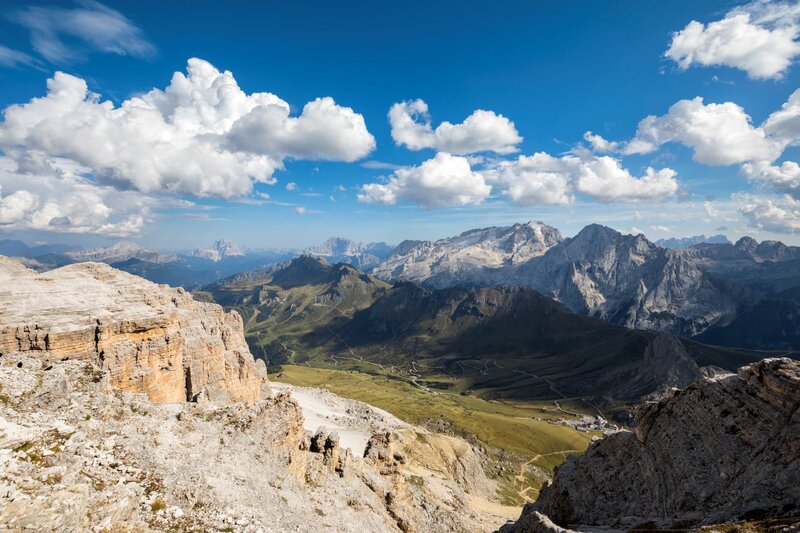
pixel 554 69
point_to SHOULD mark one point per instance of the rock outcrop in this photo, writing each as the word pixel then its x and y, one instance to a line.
pixel 149 338
pixel 77 455
pixel 723 449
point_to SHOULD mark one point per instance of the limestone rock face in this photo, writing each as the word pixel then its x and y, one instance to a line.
pixel 723 449
pixel 75 458
pixel 150 338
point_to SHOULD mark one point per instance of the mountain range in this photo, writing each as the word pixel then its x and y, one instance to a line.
pixel 506 342
pixel 189 269
pixel 685 242
pixel 745 294
pixel 706 289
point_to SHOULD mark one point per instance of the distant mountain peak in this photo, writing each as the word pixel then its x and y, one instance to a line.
pixel 221 249
pixel 686 242
pixel 359 254
pixel 337 246
pixel 746 244
pixel 594 230
pixel 453 259
pixel 118 252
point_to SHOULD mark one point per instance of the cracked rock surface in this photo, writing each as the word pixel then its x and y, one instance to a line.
pixel 723 449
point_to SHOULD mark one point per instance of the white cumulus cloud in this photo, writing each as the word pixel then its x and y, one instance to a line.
pixel 482 131
pixel 445 180
pixel 53 195
pixel 541 178
pixel 324 130
pixel 201 136
pixel 718 134
pixel 604 179
pixel 759 38
pixel 536 179
pixel 780 214
pixel 783 178
pixel 784 124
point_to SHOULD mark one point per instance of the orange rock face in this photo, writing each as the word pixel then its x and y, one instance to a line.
pixel 150 338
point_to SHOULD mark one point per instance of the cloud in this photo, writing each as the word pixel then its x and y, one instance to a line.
pixel 759 38
pixel 448 180
pixel 300 210
pixel 784 124
pixel 185 139
pixel 11 58
pixel 604 179
pixel 54 196
pixel 783 178
pixel 445 180
pixel 537 179
pixel 542 178
pixel 291 186
pixel 482 131
pixel 717 134
pixel 379 165
pixel 711 210
pixel 599 144
pixel 324 130
pixel 64 35
pixel 780 214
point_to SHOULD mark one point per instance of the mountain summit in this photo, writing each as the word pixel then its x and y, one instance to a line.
pixel 465 258
pixel 218 251
pixel 360 255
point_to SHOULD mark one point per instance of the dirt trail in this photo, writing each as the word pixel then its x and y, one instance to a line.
pixel 519 479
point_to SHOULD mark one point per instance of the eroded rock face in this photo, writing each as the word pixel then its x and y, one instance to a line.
pixel 725 448
pixel 150 338
pixel 76 457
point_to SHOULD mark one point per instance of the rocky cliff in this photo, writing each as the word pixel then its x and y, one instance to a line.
pixel 79 455
pixel 723 449
pixel 149 338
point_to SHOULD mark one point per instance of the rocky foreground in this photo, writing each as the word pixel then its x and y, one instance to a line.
pixel 128 406
pixel 724 449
